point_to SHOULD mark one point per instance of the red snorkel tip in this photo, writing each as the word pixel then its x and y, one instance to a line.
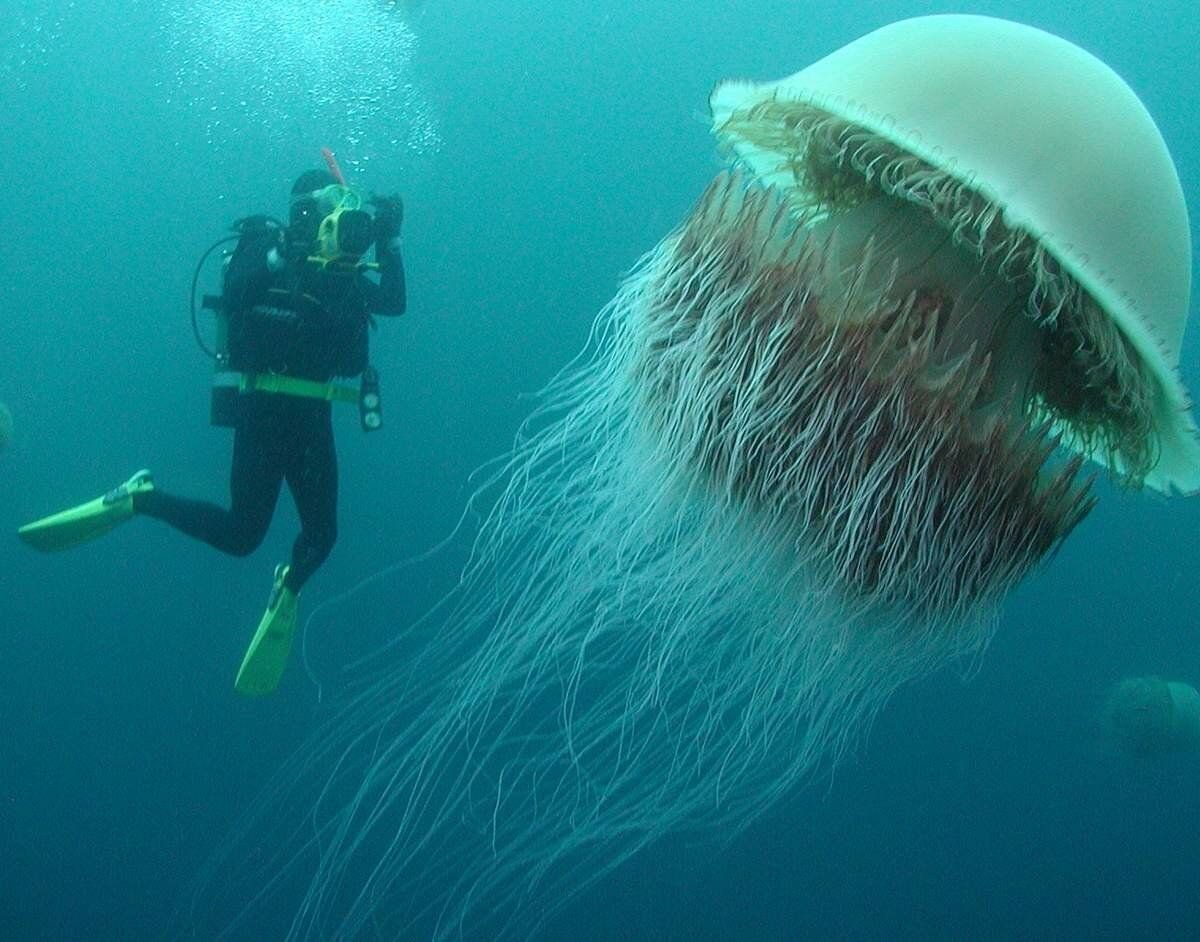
pixel 332 164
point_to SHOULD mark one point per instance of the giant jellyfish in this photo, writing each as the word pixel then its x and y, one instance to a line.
pixel 818 434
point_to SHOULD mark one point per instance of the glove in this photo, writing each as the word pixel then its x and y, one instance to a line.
pixel 389 216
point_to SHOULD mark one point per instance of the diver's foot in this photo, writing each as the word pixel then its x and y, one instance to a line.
pixel 141 482
pixel 85 522
pixel 267 657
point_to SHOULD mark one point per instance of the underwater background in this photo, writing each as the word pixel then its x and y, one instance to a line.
pixel 541 148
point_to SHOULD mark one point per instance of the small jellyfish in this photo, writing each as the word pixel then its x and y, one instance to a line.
pixel 1149 716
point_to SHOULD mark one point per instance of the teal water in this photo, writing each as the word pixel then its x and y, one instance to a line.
pixel 540 148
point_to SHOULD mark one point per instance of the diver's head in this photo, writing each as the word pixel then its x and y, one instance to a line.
pixel 327 222
pixel 306 212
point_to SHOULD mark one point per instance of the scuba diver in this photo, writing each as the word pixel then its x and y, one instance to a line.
pixel 293 318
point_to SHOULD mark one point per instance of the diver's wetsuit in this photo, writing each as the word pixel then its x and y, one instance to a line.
pixel 304 322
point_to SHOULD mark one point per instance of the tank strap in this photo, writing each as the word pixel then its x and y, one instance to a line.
pixel 293 386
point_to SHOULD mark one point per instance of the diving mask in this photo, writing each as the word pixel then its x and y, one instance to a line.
pixel 331 226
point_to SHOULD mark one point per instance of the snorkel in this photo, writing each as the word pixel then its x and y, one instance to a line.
pixel 332 164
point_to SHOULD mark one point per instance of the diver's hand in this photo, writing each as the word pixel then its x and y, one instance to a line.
pixel 389 217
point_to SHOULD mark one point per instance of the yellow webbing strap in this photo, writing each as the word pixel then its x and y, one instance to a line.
pixel 293 386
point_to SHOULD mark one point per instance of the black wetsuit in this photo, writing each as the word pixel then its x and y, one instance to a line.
pixel 300 321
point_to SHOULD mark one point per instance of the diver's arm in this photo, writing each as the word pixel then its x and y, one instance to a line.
pixel 389 299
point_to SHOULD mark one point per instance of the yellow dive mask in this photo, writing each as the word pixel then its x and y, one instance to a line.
pixel 346 230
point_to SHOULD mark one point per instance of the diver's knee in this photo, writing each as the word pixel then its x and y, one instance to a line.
pixel 244 548
pixel 246 540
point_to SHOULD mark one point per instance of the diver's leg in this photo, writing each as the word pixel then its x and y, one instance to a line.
pixel 312 477
pixel 310 469
pixel 254 482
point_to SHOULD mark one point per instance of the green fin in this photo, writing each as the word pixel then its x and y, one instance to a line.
pixel 80 524
pixel 265 660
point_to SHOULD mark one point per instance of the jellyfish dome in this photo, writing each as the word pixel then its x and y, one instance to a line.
pixel 811 445
pixel 1041 162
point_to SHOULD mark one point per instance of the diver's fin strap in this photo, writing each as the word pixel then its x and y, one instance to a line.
pixel 294 386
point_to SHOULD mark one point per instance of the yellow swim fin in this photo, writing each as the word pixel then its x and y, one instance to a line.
pixel 262 667
pixel 87 521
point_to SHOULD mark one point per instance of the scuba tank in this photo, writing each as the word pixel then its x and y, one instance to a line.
pixel 226 384
pixel 223 401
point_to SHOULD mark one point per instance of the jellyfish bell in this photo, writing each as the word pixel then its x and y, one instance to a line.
pixel 809 448
pixel 970 191
pixel 1036 158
